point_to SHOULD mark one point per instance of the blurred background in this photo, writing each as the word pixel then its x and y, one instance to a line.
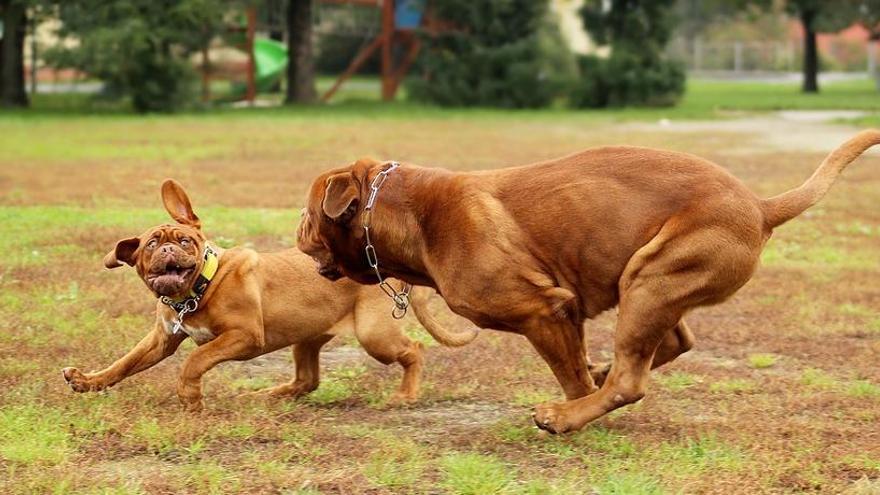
pixel 143 56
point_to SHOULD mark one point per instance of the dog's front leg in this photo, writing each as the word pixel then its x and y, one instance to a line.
pixel 229 346
pixel 154 347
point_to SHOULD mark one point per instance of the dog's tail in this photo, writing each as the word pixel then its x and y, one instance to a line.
pixel 420 297
pixel 782 208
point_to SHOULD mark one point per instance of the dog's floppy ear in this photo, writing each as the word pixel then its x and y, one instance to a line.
pixel 124 252
pixel 177 204
pixel 341 197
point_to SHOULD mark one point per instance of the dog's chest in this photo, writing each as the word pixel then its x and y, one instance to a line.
pixel 200 335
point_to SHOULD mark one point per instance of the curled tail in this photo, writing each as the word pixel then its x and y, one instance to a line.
pixel 782 208
pixel 420 297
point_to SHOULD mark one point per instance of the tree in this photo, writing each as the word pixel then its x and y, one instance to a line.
pixel 139 48
pixel 637 72
pixel 14 19
pixel 869 13
pixel 300 66
pixel 494 53
pixel 819 16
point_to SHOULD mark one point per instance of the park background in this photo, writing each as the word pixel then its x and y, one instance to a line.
pixel 102 100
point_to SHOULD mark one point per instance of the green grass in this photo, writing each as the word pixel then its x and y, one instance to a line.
pixel 862 388
pixel 677 380
pixel 32 434
pixel 29 234
pixel 475 474
pixel 703 99
pixel 761 361
pixel 396 464
pixel 732 386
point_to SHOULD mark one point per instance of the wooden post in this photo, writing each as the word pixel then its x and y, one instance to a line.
pixel 251 93
pixel 206 77
pixel 388 84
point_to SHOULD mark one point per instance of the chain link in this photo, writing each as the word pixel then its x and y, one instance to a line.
pixel 401 297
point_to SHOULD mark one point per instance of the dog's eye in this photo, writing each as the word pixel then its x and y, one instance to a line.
pixel 185 242
pixel 152 244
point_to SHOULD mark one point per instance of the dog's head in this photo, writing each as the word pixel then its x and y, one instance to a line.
pixel 167 257
pixel 329 230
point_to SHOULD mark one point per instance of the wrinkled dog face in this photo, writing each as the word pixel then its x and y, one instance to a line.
pixel 309 241
pixel 327 232
pixel 168 257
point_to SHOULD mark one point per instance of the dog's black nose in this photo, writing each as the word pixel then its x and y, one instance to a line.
pixel 330 273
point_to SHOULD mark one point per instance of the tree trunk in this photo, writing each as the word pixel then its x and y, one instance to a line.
pixel 811 53
pixel 12 68
pixel 275 19
pixel 300 67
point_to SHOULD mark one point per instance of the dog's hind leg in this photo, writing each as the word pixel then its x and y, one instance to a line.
pixel 306 359
pixel 383 339
pixel 676 342
pixel 685 266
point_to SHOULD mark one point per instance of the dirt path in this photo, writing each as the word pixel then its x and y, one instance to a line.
pixel 789 131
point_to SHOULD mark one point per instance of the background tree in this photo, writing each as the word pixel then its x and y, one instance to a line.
pixel 15 21
pixel 637 72
pixel 819 16
pixel 300 66
pixel 496 53
pixel 139 48
pixel 869 17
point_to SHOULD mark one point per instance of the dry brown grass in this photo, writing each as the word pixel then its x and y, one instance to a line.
pixel 713 422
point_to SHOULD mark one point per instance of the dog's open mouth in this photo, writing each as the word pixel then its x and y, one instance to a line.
pixel 171 280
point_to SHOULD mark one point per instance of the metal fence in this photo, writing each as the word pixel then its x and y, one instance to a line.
pixel 769 56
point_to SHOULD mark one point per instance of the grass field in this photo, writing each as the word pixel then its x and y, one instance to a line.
pixel 780 395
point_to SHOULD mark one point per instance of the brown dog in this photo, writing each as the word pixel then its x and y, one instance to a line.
pixel 249 304
pixel 538 249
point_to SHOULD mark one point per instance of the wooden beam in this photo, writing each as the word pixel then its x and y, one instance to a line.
pixel 387 40
pixel 251 93
pixel 353 67
pixel 414 46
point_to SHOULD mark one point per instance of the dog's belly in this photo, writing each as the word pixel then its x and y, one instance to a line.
pixel 199 335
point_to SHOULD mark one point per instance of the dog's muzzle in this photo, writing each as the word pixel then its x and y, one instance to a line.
pixel 330 272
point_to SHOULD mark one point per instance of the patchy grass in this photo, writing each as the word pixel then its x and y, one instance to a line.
pixel 74 184
pixel 475 474
pixel 732 386
pixel 761 361
pixel 677 380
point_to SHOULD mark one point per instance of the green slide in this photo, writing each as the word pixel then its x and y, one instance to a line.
pixel 270 60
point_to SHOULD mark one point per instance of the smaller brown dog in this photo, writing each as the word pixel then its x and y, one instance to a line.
pixel 237 304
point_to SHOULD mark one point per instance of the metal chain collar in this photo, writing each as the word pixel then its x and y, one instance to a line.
pixel 187 306
pixel 401 297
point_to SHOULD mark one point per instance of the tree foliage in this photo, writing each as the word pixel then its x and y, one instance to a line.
pixel 637 71
pixel 139 48
pixel 500 53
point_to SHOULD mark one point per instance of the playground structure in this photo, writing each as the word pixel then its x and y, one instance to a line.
pixel 400 19
pixel 267 59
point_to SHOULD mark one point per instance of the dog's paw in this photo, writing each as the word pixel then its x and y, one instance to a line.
pixel 402 399
pixel 193 406
pixel 552 417
pixel 291 390
pixel 77 380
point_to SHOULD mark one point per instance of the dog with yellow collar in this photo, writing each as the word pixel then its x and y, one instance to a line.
pixel 237 304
